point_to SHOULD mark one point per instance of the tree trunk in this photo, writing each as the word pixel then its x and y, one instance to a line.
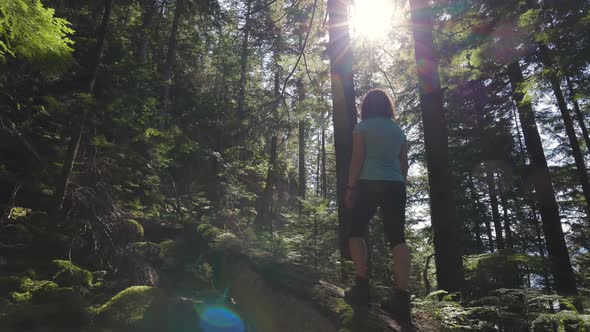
pixel 569 125
pixel 318 164
pixel 265 201
pixel 302 186
pixel 244 61
pixel 540 177
pixel 324 177
pixel 579 114
pixel 486 220
pixel 171 55
pixel 343 107
pixel 476 223
pixel 494 204
pixel 146 30
pixel 445 223
pixel 76 136
pixel 504 202
pixel 302 178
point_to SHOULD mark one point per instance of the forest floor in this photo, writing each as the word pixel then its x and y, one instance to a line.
pixel 170 278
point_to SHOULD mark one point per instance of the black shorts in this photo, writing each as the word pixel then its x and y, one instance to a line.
pixel 390 196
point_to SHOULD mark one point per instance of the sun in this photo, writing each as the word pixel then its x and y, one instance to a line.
pixel 372 19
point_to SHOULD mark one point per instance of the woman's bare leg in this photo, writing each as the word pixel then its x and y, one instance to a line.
pixel 401 257
pixel 358 251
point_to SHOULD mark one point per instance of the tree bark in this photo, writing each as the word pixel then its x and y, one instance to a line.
pixel 318 164
pixel 445 223
pixel 76 136
pixel 324 176
pixel 504 202
pixel 265 201
pixel 171 55
pixel 302 176
pixel 244 61
pixel 343 107
pixel 146 30
pixel 476 224
pixel 540 177
pixel 494 204
pixel 578 112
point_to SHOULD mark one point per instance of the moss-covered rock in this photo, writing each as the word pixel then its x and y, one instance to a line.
pixel 70 275
pixel 48 316
pixel 133 308
pixel 26 289
pixel 43 304
pixel 133 231
pixel 169 248
pixel 146 249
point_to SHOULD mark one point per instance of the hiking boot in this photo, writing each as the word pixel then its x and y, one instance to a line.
pixel 398 306
pixel 359 293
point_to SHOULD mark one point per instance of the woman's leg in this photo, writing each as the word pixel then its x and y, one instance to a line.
pixel 394 210
pixel 401 266
pixel 365 206
pixel 358 252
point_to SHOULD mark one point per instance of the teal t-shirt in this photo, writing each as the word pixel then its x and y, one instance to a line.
pixel 383 143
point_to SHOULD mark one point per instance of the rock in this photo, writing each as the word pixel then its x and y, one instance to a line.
pixel 70 275
pixel 136 307
pixel 43 304
pixel 132 230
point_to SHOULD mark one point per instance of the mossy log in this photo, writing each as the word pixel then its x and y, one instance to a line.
pixel 282 296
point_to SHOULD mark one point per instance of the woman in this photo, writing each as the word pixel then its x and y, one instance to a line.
pixel 377 175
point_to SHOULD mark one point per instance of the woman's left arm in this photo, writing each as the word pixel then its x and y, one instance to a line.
pixel 356 164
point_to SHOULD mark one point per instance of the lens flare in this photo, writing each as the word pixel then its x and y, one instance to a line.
pixel 220 319
pixel 372 19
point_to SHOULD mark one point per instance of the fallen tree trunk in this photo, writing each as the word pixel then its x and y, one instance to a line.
pixel 281 296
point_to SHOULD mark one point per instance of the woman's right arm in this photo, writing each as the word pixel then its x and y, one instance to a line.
pixel 403 158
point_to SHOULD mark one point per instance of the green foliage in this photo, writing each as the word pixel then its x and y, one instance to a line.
pixel 502 269
pixel 31 31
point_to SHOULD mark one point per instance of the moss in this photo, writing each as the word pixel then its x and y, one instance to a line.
pixel 344 311
pixel 42 304
pixel 128 309
pixel 134 230
pixel 146 249
pixel 71 275
pixel 34 286
pixel 168 248
pixel 17 297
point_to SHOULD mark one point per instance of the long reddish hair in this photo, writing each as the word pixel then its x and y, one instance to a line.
pixel 377 104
